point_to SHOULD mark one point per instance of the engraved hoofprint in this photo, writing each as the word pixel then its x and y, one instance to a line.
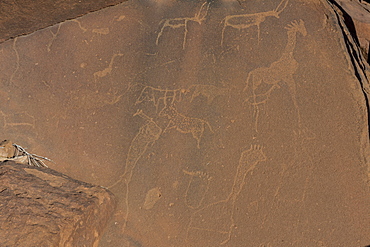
pixel 281 70
pixel 184 124
pixel 183 22
pixel 218 217
pixel 244 21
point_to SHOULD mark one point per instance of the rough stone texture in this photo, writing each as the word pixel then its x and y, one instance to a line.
pixel 42 207
pixel 222 124
pixel 26 16
pixel 358 14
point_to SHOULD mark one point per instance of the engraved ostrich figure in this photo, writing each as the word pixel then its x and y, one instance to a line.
pixel 280 70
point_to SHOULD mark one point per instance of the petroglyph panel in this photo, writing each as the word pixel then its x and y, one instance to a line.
pixel 213 122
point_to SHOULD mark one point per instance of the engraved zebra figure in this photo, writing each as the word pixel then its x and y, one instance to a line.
pixel 184 124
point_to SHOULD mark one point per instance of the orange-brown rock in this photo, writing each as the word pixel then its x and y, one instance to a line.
pixel 26 16
pixel 42 207
pixel 214 123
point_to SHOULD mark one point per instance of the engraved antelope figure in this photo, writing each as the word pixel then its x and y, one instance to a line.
pixel 281 70
pixel 184 124
pixel 183 22
pixel 244 21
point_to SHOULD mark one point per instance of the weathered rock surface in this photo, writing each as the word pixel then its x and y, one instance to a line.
pixel 358 14
pixel 42 207
pixel 26 16
pixel 215 123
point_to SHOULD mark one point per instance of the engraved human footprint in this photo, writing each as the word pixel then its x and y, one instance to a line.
pixel 218 217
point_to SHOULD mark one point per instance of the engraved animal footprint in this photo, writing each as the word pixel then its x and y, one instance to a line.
pixel 218 217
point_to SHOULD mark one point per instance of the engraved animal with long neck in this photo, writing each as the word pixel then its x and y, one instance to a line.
pixel 148 133
pixel 184 124
pixel 281 70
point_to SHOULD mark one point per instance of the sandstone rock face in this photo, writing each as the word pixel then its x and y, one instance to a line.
pixel 215 123
pixel 358 15
pixel 19 18
pixel 41 207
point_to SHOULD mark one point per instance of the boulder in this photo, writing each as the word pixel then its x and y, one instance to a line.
pixel 42 207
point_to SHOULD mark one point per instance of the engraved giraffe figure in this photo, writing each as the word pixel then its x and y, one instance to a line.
pixel 281 70
pixel 183 22
pixel 148 133
pixel 184 124
pixel 244 21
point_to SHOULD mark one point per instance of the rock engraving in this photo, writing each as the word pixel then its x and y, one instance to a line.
pixel 197 188
pixel 184 124
pixel 244 21
pixel 106 71
pixel 151 198
pixel 218 217
pixel 147 134
pixel 180 22
pixel 156 95
pixel 208 91
pixel 281 70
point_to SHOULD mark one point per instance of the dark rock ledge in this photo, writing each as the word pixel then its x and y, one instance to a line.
pixel 42 207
